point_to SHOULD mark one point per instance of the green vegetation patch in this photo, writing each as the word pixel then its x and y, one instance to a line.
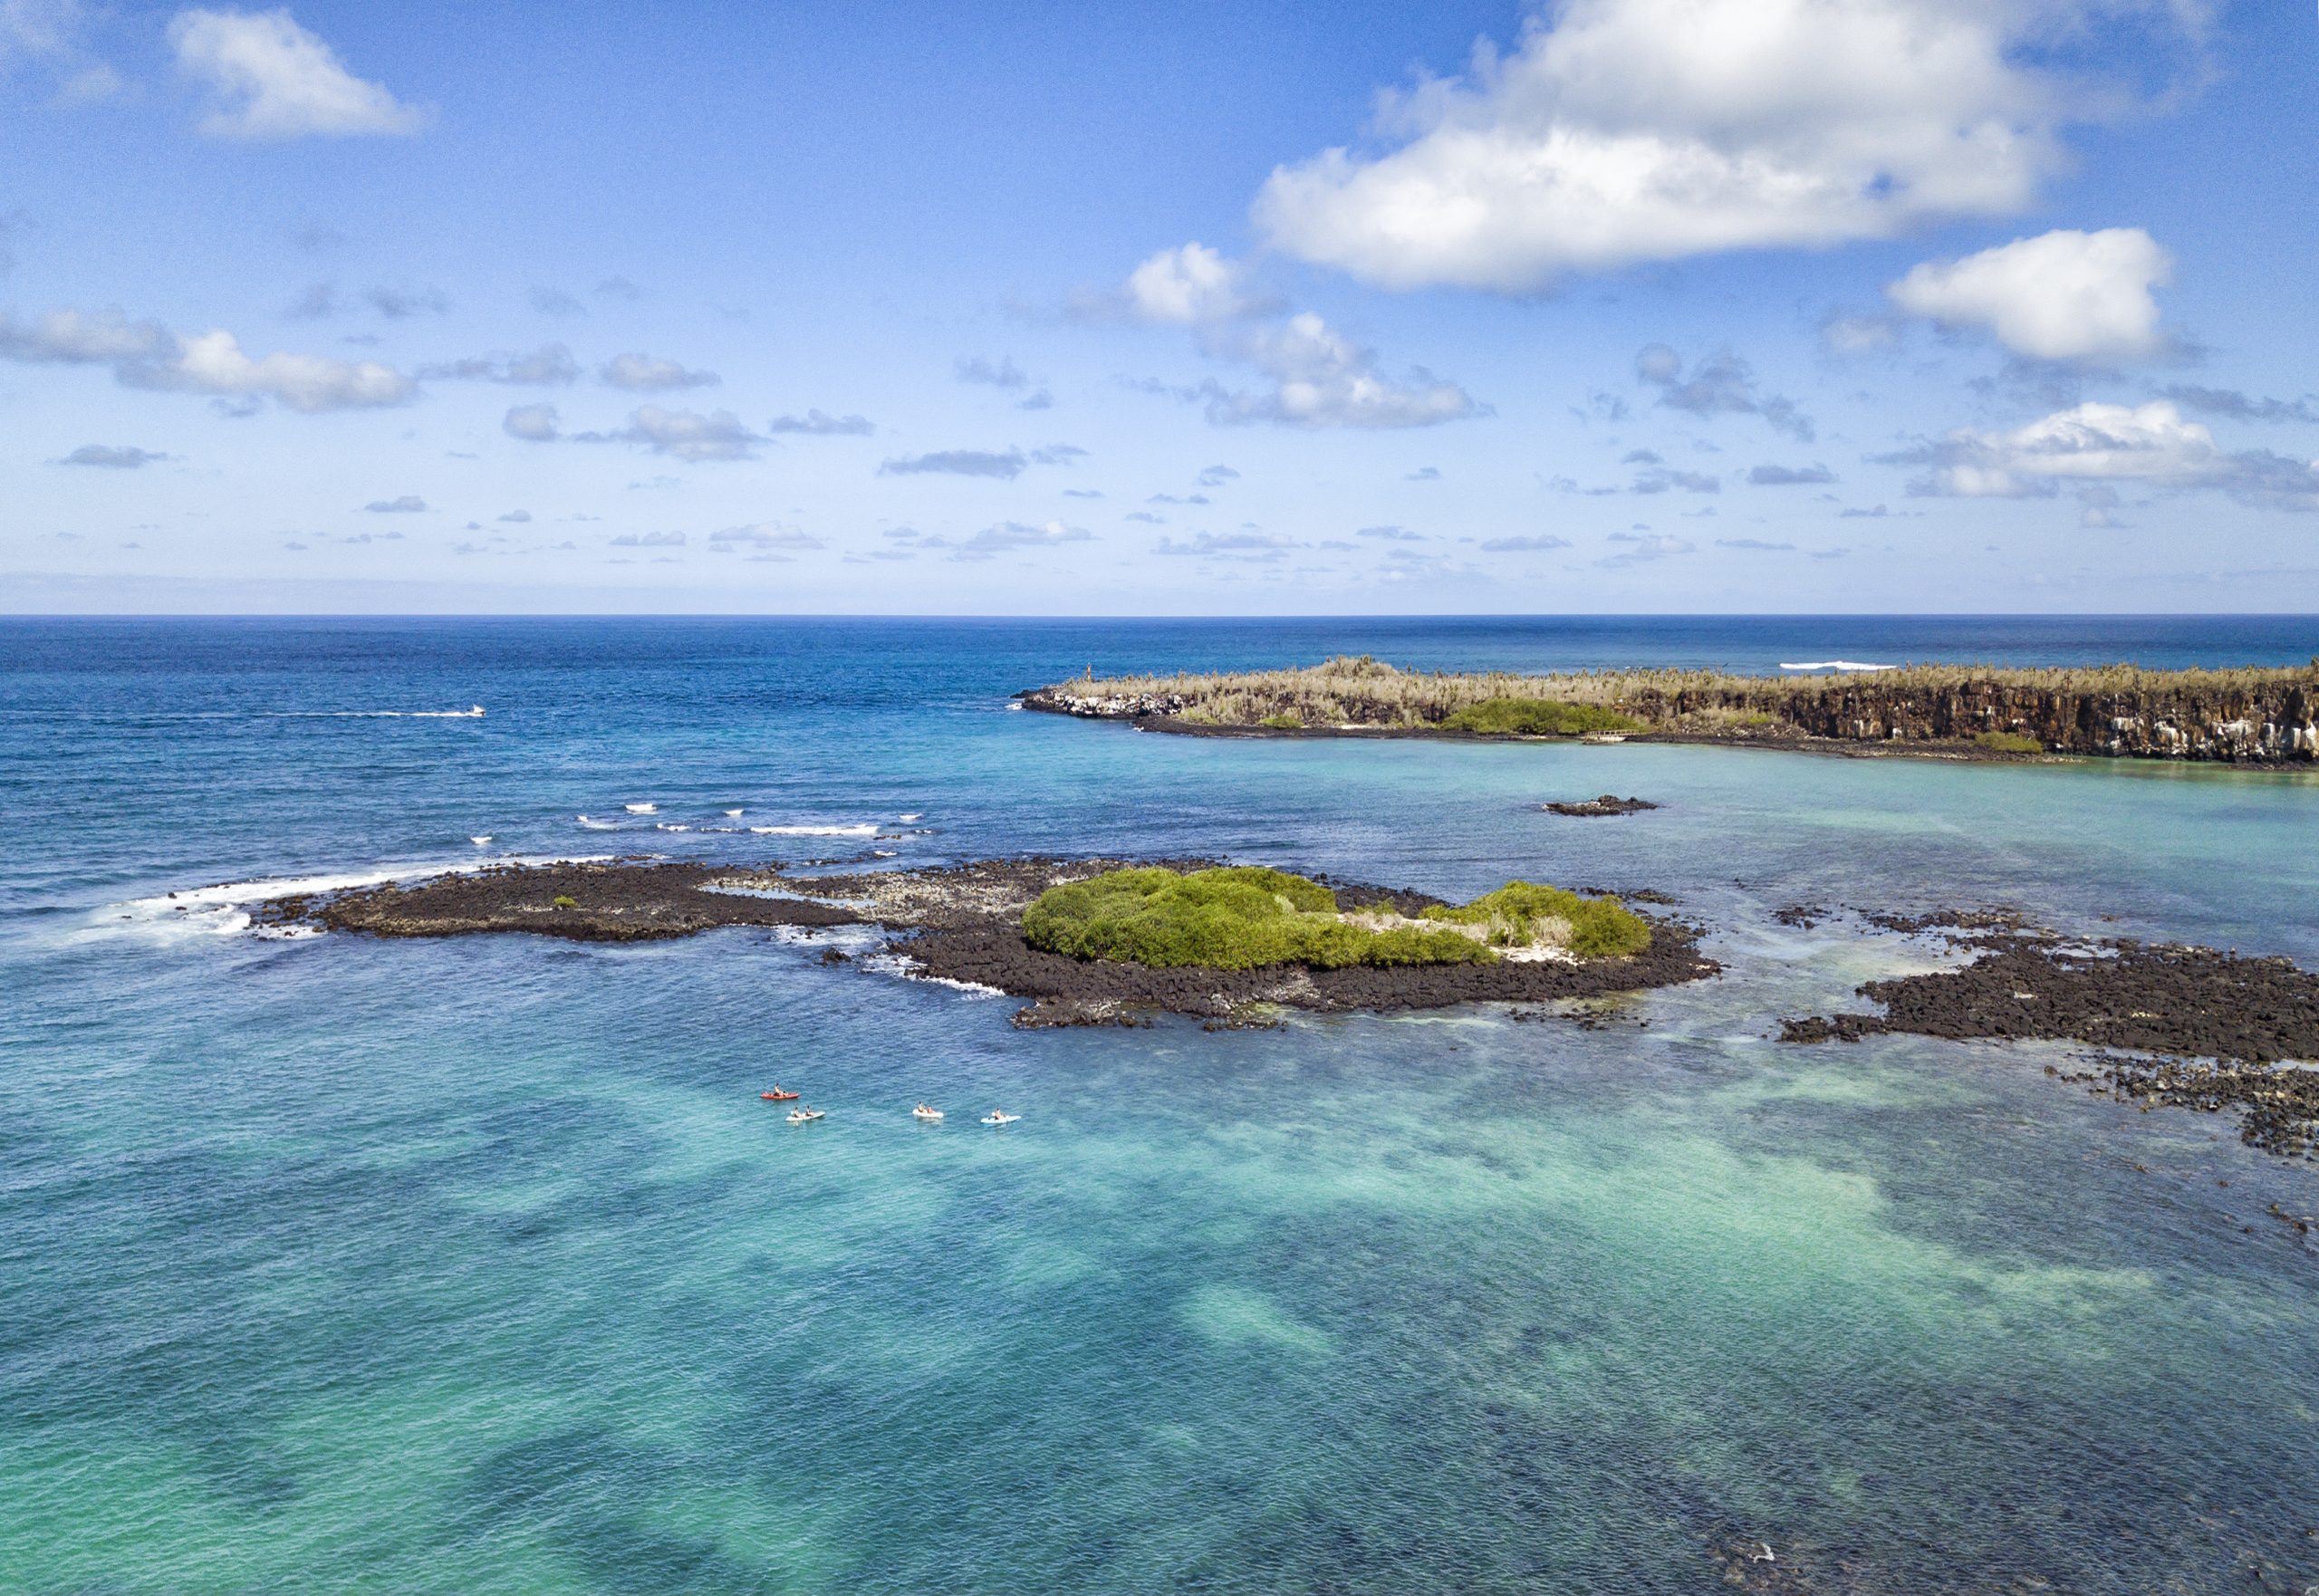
pixel 1282 722
pixel 1239 918
pixel 1522 913
pixel 2009 743
pixel 1537 718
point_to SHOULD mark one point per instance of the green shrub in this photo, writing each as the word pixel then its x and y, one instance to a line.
pixel 1537 718
pixel 1282 722
pixel 1233 918
pixel 2009 743
pixel 1239 918
pixel 1599 928
pixel 563 902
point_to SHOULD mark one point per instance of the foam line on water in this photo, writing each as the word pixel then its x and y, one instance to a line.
pixel 224 910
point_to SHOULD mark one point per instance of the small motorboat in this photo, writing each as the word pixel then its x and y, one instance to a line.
pixel 999 1116
pixel 923 1112
pixel 777 1095
pixel 804 1116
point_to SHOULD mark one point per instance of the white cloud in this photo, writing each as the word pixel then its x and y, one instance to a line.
pixel 688 435
pixel 74 337
pixel 2150 445
pixel 647 373
pixel 532 423
pixel 146 354
pixel 1321 378
pixel 117 458
pixel 549 365
pixel 271 79
pixel 819 424
pixel 763 535
pixel 1015 535
pixel 1625 131
pixel 2064 295
pixel 1186 285
pixel 37 28
pixel 1721 384
pixel 213 362
pixel 404 505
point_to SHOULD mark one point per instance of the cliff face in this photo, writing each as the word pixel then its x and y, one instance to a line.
pixel 2270 722
pixel 2250 726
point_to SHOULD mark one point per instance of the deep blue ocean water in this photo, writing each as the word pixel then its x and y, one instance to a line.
pixel 337 1264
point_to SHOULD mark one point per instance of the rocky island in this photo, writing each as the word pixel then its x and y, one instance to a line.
pixel 2243 716
pixel 1090 941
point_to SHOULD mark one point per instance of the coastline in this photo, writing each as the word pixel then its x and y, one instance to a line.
pixel 2258 717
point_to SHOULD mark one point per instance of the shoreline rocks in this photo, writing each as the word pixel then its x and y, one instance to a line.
pixel 1607 804
pixel 963 924
pixel 2189 1027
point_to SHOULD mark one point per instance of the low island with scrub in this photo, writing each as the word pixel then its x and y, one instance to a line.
pixel 2252 716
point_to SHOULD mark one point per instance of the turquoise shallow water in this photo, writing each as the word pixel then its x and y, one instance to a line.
pixel 478 1266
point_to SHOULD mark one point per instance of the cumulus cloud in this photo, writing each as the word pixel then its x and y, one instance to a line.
pixel 269 78
pixel 113 457
pixel 1006 466
pixel 1626 131
pixel 1391 535
pixel 1658 479
pixel 1189 286
pixel 407 504
pixel 1789 475
pixel 555 301
pixel 686 435
pixel 1722 384
pixel 1260 548
pixel 816 424
pixel 1218 476
pixel 643 373
pixel 1008 535
pixel 763 535
pixel 2064 295
pixel 399 304
pixel 1002 373
pixel 145 354
pixel 2234 405
pixel 80 338
pixel 549 365
pixel 649 540
pixel 1317 377
pixel 214 363
pixel 1523 545
pixel 1753 544
pixel 2149 445
pixel 532 423
pixel 1641 548
pixel 1424 473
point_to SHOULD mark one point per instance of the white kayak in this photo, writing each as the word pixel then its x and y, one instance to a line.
pixel 995 1118
pixel 923 1112
pixel 804 1116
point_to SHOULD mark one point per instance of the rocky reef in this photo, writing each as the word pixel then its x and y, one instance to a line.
pixel 2189 1027
pixel 964 923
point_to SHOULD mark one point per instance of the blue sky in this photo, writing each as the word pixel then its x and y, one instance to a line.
pixel 1609 305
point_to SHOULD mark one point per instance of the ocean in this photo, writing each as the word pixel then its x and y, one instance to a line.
pixel 477 1266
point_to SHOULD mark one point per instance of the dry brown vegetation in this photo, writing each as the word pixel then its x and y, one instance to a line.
pixel 1365 691
pixel 2258 714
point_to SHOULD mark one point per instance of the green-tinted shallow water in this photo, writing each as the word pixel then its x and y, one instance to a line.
pixel 478 1266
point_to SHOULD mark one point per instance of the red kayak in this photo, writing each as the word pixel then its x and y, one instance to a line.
pixel 777 1095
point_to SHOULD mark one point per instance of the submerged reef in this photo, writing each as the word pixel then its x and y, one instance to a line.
pixel 2248 716
pixel 2189 1027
